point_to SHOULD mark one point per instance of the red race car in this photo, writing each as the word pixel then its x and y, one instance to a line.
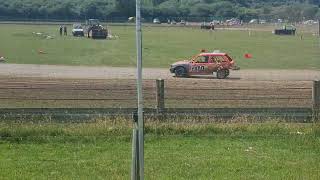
pixel 205 64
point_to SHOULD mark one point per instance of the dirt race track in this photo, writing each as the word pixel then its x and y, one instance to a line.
pixel 65 86
pixel 80 72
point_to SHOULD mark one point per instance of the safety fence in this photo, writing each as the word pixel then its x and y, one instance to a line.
pixel 189 96
pixel 61 144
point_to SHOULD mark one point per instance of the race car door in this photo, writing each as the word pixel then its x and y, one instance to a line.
pixel 212 65
pixel 199 66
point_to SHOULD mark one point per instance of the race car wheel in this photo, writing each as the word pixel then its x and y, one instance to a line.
pixel 227 72
pixel 222 74
pixel 180 72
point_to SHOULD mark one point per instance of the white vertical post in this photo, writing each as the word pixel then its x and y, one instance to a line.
pixel 319 31
pixel 319 26
pixel 134 165
pixel 138 148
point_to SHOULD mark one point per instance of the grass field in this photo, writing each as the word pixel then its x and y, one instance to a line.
pixel 189 150
pixel 161 47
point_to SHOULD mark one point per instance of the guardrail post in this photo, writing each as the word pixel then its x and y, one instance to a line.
pixel 160 95
pixel 316 99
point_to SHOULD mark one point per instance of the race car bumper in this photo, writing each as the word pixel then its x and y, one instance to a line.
pixel 172 70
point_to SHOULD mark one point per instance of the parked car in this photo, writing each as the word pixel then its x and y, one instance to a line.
pixel 253 21
pixel 183 22
pixel 77 30
pixel 280 21
pixel 216 22
pixel 262 21
pixel 233 21
pixel 310 22
pixel 205 64
pixel 156 21
pixel 286 30
pixel 131 19
pixel 206 25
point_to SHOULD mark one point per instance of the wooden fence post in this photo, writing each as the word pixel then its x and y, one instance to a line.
pixel 316 99
pixel 160 95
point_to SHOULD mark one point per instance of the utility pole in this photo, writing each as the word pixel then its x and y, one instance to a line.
pixel 319 30
pixel 137 169
pixel 319 26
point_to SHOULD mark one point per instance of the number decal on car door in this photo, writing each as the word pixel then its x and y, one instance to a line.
pixel 197 68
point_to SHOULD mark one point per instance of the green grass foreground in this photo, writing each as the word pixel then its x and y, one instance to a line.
pixel 162 46
pixel 102 150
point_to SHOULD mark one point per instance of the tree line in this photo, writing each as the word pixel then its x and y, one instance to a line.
pixel 292 10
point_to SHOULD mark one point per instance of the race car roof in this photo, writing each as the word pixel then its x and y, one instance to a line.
pixel 213 54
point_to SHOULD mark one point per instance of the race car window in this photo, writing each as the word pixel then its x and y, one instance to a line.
pixel 218 59
pixel 211 59
pixel 202 59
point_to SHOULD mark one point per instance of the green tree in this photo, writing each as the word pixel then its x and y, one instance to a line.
pixel 126 7
pixel 309 12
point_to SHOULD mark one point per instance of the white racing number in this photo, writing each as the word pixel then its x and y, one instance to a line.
pixel 197 68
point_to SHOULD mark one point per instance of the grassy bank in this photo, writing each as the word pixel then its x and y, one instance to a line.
pixel 162 47
pixel 174 150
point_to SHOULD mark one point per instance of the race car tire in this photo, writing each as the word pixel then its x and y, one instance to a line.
pixel 227 72
pixel 221 74
pixel 180 72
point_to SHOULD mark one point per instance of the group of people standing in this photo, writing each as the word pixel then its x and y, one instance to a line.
pixel 64 30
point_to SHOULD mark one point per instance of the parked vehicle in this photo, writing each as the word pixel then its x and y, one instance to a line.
pixel 262 21
pixel 156 21
pixel 93 29
pixel 233 21
pixel 310 22
pixel 253 21
pixel 77 30
pixel 183 22
pixel 173 22
pixel 286 30
pixel 206 25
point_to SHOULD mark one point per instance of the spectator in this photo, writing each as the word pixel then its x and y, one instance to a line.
pixel 61 28
pixel 65 30
pixel 212 26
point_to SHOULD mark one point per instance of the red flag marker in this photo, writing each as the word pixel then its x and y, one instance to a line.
pixel 247 56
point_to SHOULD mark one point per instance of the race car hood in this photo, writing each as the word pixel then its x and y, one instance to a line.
pixel 180 63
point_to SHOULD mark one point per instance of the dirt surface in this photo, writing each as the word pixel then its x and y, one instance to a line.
pixel 81 72
pixel 66 86
pixel 120 93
